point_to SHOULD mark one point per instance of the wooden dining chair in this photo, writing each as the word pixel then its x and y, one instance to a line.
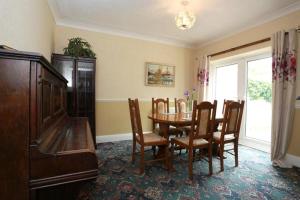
pixel 203 117
pixel 225 103
pixel 159 106
pixel 218 122
pixel 230 131
pixel 180 105
pixel 149 139
pixel 162 106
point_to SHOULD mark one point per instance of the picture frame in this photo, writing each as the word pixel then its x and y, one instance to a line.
pixel 158 74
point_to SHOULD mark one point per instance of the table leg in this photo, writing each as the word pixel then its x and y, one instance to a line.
pixel 164 132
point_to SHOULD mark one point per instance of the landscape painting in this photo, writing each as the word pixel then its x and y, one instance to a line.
pixel 160 75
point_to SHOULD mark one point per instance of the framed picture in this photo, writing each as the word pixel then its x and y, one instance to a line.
pixel 160 75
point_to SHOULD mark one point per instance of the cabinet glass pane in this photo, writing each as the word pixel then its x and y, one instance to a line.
pixel 85 87
pixel 65 68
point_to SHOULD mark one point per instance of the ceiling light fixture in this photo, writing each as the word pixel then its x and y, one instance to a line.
pixel 185 20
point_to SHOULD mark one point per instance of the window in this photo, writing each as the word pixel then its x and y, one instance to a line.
pixel 226 84
pixel 248 78
pixel 259 97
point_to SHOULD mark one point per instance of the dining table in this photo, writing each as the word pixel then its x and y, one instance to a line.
pixel 165 120
pixel 180 119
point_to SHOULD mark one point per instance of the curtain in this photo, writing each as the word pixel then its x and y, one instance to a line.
pixel 284 84
pixel 203 79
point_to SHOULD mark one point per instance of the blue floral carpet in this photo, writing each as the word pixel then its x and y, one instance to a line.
pixel 255 178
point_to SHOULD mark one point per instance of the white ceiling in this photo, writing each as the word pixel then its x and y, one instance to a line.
pixel 154 19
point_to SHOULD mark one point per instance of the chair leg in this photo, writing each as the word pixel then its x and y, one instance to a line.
pixel 142 161
pixel 210 158
pixel 154 150
pixel 181 134
pixel 133 151
pixel 194 154
pixel 167 157
pixel 222 156
pixel 191 164
pixel 236 153
pixel 172 154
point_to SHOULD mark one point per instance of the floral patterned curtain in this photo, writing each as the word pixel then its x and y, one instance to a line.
pixel 284 84
pixel 203 78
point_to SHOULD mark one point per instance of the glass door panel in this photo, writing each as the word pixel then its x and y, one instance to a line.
pixel 66 68
pixel 85 87
pixel 259 99
pixel 226 85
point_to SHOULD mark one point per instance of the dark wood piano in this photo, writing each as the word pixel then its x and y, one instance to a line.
pixel 40 145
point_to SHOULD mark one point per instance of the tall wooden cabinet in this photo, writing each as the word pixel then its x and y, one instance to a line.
pixel 80 73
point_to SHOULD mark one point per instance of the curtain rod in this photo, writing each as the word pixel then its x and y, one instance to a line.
pixel 240 47
pixel 244 46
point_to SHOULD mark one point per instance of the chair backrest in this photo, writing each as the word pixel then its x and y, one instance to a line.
pixel 226 102
pixel 232 118
pixel 203 119
pixel 135 118
pixel 160 105
pixel 180 105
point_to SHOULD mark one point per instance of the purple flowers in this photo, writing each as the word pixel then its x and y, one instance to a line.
pixel 186 93
pixel 190 94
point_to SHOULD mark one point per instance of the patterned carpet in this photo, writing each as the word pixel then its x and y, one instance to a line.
pixel 255 178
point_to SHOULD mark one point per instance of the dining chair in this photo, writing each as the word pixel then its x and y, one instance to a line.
pixel 144 140
pixel 203 117
pixel 218 122
pixel 225 103
pixel 180 105
pixel 162 106
pixel 229 133
pixel 159 106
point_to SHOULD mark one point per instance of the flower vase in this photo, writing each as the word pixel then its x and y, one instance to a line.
pixel 190 105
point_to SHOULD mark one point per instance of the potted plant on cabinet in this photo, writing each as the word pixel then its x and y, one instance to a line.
pixel 79 47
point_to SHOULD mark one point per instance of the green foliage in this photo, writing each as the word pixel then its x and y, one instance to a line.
pixel 79 47
pixel 259 90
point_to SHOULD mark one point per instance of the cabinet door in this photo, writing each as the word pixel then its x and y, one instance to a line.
pixel 67 69
pixel 85 88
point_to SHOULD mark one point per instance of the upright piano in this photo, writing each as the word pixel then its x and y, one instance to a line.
pixel 40 145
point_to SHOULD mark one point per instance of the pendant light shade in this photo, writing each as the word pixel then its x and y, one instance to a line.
pixel 185 20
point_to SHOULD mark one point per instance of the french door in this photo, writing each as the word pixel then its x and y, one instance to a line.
pixel 250 79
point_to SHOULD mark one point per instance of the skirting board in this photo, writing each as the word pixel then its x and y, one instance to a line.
pixel 256 145
pixel 114 137
pixel 294 160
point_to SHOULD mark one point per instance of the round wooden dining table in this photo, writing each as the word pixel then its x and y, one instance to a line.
pixel 165 120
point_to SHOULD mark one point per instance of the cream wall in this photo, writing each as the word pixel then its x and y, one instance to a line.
pixel 27 25
pixel 263 31
pixel 120 74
